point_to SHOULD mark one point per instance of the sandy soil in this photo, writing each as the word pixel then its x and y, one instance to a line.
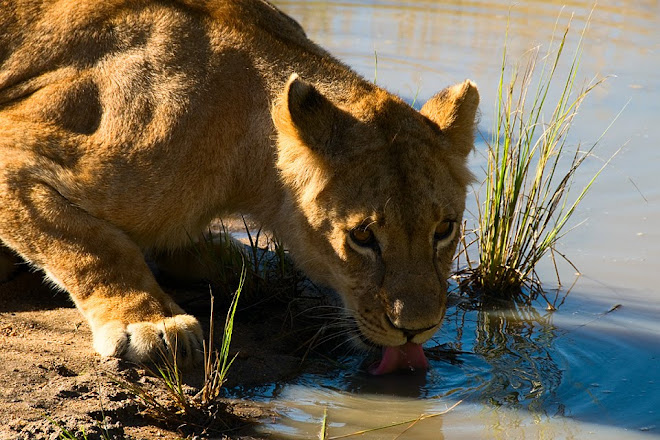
pixel 50 378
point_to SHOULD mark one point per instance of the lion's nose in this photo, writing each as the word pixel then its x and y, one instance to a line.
pixel 408 332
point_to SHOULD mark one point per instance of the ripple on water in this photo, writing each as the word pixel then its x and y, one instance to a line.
pixel 513 370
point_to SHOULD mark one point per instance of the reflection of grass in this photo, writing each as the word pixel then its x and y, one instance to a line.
pixel 516 341
pixel 530 174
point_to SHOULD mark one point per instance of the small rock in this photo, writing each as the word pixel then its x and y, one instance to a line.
pixel 64 371
pixel 68 394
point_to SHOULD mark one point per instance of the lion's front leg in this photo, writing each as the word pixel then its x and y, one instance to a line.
pixel 101 267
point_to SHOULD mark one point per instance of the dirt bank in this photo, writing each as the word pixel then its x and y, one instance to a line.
pixel 50 377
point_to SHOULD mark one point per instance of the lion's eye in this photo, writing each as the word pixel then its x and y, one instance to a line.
pixel 363 237
pixel 443 230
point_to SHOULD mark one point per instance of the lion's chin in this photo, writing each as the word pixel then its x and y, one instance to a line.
pixel 407 357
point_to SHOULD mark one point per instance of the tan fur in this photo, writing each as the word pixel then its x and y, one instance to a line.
pixel 130 125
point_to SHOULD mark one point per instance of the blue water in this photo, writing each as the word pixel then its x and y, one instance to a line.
pixel 588 363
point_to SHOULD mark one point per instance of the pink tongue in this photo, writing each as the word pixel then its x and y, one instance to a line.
pixel 409 356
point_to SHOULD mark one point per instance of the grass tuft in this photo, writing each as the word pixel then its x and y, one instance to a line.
pixel 178 406
pixel 529 194
pixel 217 363
pixel 80 433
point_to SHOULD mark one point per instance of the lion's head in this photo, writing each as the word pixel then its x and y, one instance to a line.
pixel 379 191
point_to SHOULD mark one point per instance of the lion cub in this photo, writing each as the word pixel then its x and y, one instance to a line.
pixel 129 125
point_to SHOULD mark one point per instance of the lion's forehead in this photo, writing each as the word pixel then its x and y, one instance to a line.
pixel 401 187
pixel 410 204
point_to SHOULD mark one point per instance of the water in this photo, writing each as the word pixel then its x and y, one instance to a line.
pixel 590 370
pixel 584 371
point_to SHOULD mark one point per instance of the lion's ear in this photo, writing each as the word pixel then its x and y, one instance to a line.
pixel 304 114
pixel 454 111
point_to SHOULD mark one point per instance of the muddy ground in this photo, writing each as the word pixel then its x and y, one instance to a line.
pixel 51 380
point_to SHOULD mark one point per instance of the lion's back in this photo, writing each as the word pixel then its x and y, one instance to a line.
pixel 144 85
pixel 55 25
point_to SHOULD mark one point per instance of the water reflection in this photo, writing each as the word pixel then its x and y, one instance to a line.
pixel 499 357
pixel 514 369
pixel 518 344
pixel 412 31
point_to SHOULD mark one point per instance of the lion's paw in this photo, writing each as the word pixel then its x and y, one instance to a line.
pixel 178 337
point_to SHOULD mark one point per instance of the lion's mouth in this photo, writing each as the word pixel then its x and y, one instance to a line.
pixel 408 357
